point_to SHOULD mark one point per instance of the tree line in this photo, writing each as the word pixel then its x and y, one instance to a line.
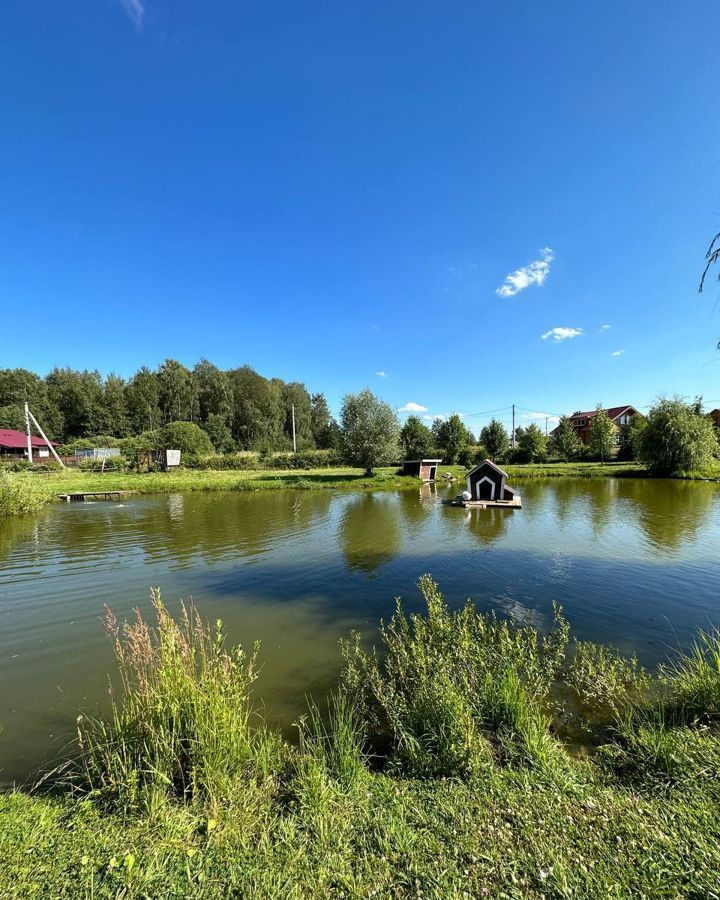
pixel 238 408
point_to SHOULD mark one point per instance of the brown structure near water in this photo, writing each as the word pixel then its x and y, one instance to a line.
pixel 421 468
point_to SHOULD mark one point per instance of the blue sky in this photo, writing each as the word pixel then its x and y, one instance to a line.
pixel 328 191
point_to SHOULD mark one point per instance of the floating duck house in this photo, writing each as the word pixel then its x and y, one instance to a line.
pixel 487 486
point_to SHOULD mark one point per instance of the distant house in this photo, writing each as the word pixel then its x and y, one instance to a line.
pixel 488 482
pixel 715 416
pixel 421 468
pixel 582 422
pixel 13 444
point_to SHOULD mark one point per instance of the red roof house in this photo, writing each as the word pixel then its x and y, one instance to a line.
pixel 14 443
pixel 582 422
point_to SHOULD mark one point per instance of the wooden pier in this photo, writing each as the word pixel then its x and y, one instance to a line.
pixel 82 496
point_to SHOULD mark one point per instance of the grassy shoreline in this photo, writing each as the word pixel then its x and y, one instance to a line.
pixel 441 774
pixel 25 492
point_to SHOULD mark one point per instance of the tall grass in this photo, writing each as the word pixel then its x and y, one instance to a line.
pixel 20 494
pixel 182 725
pixel 452 692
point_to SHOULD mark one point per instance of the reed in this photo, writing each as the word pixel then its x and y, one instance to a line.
pixel 20 494
pixel 181 727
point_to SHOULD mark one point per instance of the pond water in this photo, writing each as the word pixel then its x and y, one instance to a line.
pixel 633 562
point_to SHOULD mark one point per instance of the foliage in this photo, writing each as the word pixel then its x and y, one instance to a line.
pixel 564 441
pixel 190 796
pixel 185 436
pixel 454 690
pixel 451 436
pixel 471 455
pixel 370 431
pixel 602 435
pixel 325 430
pixel 20 494
pixel 495 439
pixel 676 437
pixel 12 417
pixel 219 433
pixel 416 439
pixel 182 725
pixel 531 443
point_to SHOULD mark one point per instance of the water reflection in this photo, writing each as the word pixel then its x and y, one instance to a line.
pixel 369 534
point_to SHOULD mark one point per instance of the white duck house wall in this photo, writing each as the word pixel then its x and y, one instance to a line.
pixel 489 482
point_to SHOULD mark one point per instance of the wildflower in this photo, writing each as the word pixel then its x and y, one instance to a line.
pixel 211 825
pixel 129 860
pixel 84 860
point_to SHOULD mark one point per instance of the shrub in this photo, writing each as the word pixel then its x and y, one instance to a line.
pixel 675 437
pixel 455 690
pixel 20 494
pixel 187 437
pixel 470 456
pixel 229 461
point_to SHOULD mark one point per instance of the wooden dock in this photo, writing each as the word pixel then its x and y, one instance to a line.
pixel 515 503
pixel 82 496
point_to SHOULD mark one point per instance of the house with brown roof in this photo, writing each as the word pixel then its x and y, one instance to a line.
pixel 715 416
pixel 582 422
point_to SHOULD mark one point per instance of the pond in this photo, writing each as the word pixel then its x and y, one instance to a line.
pixel 633 562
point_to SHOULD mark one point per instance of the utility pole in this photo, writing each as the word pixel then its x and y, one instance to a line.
pixel 546 433
pixel 28 416
pixel 27 429
pixel 513 428
pixel 293 421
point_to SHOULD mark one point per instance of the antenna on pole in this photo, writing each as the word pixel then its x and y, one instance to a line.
pixel 293 423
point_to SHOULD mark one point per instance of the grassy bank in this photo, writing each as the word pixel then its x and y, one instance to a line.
pixel 441 771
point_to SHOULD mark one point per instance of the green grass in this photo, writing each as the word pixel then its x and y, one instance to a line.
pixel 20 495
pixel 437 773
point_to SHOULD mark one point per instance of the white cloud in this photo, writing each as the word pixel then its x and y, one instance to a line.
pixel 429 418
pixel 381 374
pixel 135 10
pixel 562 334
pixel 540 417
pixel 617 353
pixel 605 327
pixel 534 273
pixel 413 407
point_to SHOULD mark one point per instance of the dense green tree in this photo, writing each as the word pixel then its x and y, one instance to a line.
pixel 12 417
pixel 495 439
pixel 177 393
pixel 564 441
pixel 295 394
pixel 115 414
pixel 258 412
pixel 416 439
pixel 79 398
pixel 451 436
pixel 219 433
pixel 325 430
pixel 371 431
pixel 603 435
pixel 676 437
pixel 20 385
pixel 211 387
pixel 531 443
pixel 142 396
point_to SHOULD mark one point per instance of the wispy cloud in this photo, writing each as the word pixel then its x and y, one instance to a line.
pixel 413 407
pixel 534 273
pixel 617 353
pixel 429 418
pixel 605 327
pixel 135 10
pixel 381 374
pixel 376 327
pixel 561 334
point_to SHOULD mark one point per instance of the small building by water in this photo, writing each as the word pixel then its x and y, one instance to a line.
pixel 487 482
pixel 421 468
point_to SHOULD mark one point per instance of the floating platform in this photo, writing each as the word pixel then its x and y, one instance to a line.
pixel 515 503
pixel 82 496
